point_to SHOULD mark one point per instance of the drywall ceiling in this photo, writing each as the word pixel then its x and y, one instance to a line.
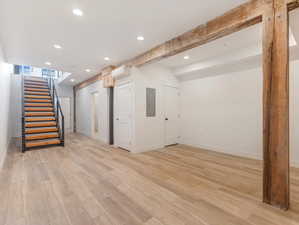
pixel 239 51
pixel 29 29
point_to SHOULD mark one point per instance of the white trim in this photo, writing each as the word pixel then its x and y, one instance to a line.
pixel 239 154
pixel 116 108
pixel 164 110
pixel 3 156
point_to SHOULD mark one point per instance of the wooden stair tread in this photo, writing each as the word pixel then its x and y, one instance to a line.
pixel 37 89
pixel 45 124
pixel 38 100
pixel 42 143
pixel 40 122
pixel 38 105
pixel 41 136
pixel 34 109
pixel 38 96
pixel 39 119
pixel 36 80
pixel 38 86
pixel 36 93
pixel 40 114
pixel 41 130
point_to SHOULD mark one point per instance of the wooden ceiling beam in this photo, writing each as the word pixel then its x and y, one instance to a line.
pixel 292 4
pixel 106 71
pixel 245 15
pixel 234 20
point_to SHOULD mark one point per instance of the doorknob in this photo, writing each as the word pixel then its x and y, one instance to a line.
pixel 166 118
pixel 117 118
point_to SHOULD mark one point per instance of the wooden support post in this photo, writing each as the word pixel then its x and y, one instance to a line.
pixel 276 104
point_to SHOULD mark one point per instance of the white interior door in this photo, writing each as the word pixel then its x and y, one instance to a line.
pixel 123 119
pixel 65 103
pixel 171 104
pixel 103 116
pixel 95 130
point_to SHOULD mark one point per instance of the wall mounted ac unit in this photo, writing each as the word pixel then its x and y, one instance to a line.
pixel 121 72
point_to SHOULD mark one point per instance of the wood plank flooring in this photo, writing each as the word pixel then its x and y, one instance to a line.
pixel 89 183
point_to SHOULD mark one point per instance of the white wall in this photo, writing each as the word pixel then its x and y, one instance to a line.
pixel 67 92
pixel 148 132
pixel 224 113
pixel 84 110
pixel 16 107
pixel 294 113
pixel 5 80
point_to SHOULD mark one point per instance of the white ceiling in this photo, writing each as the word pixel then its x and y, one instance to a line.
pixel 239 51
pixel 28 29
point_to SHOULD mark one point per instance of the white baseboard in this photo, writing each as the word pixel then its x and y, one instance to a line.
pixel 293 163
pixel 3 157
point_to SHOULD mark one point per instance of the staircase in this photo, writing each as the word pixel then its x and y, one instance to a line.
pixel 42 117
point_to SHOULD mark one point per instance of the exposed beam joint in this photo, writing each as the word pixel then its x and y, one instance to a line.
pixel 104 73
pixel 245 15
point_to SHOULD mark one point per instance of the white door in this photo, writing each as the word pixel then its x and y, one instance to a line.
pixel 171 104
pixel 95 131
pixel 123 118
pixel 65 103
pixel 103 116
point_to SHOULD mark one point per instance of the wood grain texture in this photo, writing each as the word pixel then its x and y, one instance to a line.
pixel 39 119
pixel 41 130
pixel 108 81
pixel 90 183
pixel 41 136
pixel 28 114
pixel 292 4
pixel 245 15
pixel 48 124
pixel 105 72
pixel 37 96
pixel 38 100
pixel 37 109
pixel 276 104
pixel 42 143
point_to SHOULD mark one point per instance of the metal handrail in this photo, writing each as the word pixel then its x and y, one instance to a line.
pixel 57 110
pixel 23 118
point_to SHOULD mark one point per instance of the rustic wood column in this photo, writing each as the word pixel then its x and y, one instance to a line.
pixel 276 104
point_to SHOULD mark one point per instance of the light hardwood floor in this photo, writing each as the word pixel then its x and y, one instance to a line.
pixel 90 183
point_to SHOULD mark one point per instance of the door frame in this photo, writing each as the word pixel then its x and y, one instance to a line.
pixel 70 112
pixel 116 114
pixel 164 111
pixel 93 134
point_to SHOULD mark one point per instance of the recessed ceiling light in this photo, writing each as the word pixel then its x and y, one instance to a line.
pixel 140 38
pixel 72 80
pixel 186 57
pixel 77 12
pixel 106 58
pixel 48 63
pixel 87 70
pixel 57 46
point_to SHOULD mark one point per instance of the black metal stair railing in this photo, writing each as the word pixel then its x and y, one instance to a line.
pixel 57 110
pixel 23 118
